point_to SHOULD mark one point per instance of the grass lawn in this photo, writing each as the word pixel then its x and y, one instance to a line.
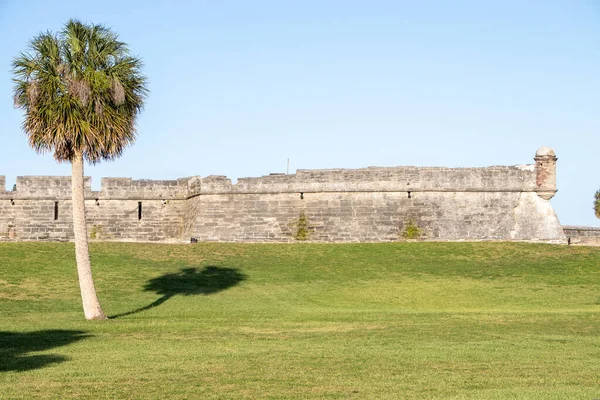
pixel 334 321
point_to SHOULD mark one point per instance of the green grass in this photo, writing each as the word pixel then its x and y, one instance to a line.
pixel 333 321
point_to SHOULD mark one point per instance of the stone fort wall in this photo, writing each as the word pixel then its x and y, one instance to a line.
pixel 339 205
pixel 582 235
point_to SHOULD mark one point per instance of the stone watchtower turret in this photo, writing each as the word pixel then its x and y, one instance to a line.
pixel 545 167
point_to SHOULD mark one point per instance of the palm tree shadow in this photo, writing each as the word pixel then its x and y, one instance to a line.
pixel 188 282
pixel 15 346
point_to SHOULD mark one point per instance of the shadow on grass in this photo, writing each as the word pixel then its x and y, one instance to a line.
pixel 15 346
pixel 189 282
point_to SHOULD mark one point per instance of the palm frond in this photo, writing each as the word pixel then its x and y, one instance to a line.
pixel 81 92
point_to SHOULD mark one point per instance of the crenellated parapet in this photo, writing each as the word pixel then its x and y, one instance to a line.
pixel 127 188
pixel 381 179
pixel 59 188
pixel 539 178
pixel 42 187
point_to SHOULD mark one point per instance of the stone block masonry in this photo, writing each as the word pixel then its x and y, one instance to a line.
pixel 372 204
pixel 582 235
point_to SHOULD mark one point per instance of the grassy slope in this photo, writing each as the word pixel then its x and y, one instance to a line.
pixel 396 320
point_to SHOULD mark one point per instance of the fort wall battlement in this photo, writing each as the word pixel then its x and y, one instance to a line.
pixel 371 179
pixel 339 205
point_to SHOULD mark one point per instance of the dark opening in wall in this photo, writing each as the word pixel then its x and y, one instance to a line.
pixel 302 195
pixel 409 195
pixel 55 210
pixel 139 210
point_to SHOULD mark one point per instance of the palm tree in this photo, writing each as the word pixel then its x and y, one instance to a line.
pixel 597 203
pixel 81 91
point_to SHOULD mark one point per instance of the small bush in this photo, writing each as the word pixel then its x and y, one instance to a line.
pixel 96 232
pixel 411 230
pixel 302 224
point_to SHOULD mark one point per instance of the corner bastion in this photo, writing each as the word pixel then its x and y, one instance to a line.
pixel 373 204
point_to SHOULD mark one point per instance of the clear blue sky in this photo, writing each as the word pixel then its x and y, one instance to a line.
pixel 237 87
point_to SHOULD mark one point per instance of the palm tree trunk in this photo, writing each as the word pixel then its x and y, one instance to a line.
pixel 91 305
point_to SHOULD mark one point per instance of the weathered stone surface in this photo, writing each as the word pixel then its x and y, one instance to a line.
pixel 338 205
pixel 582 235
pixel 545 167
